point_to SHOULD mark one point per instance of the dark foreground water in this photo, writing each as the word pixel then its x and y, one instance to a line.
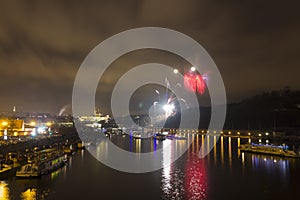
pixel 225 173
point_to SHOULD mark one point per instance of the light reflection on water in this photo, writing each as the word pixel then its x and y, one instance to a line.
pixel 272 165
pixel 222 150
pixel 168 178
pixel 229 151
pixel 189 182
pixel 33 188
pixel 195 178
pixel 188 178
pixel 4 191
pixel 34 194
pixel 172 177
pixel 29 194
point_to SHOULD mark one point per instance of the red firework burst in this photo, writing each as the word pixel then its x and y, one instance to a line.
pixel 194 82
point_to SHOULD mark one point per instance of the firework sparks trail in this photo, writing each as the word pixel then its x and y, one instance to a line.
pixel 195 82
pixel 192 81
pixel 168 103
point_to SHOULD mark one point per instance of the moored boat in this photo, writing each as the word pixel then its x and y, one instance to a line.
pixel 269 149
pixel 159 136
pixel 7 171
pixel 68 150
pixel 42 162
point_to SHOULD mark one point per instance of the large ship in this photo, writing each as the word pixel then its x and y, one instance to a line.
pixel 269 149
pixel 42 162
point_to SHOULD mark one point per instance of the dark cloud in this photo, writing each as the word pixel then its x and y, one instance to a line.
pixel 42 44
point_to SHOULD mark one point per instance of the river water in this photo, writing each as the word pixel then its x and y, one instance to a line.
pixel 225 173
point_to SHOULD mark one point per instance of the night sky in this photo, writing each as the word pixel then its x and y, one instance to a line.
pixel 255 44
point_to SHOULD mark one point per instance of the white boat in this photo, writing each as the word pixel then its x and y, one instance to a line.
pixel 42 162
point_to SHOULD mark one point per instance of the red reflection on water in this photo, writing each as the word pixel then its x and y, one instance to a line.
pixel 187 178
pixel 195 182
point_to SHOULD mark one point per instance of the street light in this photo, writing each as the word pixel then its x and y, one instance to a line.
pixel 175 71
pixel 33 123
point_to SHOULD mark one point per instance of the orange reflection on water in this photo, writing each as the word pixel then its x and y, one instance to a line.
pixel 222 150
pixel 138 145
pixel 215 149
pixel 29 194
pixel 229 152
pixel 4 191
pixel 239 144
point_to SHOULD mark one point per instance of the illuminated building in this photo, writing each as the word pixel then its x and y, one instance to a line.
pixel 12 127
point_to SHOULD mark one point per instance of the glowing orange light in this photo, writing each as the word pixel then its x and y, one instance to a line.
pixel 5 123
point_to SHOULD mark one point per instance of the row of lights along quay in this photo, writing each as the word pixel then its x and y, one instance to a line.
pixel 253 134
pixel 229 133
